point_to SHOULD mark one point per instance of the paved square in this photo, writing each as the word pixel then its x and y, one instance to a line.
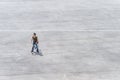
pixel 80 39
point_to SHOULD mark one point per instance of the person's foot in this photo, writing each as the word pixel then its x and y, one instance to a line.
pixel 32 52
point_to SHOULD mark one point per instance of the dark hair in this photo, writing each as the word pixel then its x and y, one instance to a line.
pixel 34 33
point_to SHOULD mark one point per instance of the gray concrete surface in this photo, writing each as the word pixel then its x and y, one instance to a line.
pixel 79 39
pixel 68 55
pixel 59 14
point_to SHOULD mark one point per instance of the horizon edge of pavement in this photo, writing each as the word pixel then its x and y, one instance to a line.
pixel 53 30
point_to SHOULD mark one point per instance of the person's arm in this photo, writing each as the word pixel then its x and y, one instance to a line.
pixel 37 40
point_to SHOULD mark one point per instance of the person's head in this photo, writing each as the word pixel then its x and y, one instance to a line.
pixel 34 34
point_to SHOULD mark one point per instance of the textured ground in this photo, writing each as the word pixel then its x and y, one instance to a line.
pixel 80 39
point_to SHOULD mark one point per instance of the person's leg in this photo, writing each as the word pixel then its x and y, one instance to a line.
pixel 32 48
pixel 39 51
pixel 37 47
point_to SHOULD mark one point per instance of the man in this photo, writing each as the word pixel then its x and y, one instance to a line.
pixel 35 43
